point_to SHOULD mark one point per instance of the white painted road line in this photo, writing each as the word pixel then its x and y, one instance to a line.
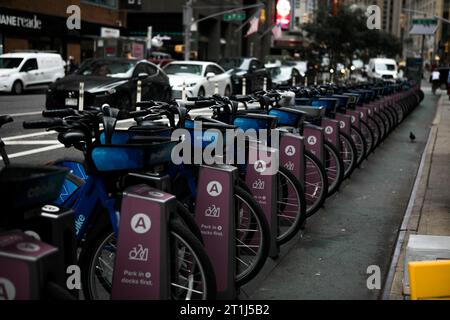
pixel 34 151
pixel 30 135
pixel 31 142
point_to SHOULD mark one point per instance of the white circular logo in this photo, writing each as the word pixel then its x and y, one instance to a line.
pixel 290 151
pixel 312 140
pixel 342 124
pixel 9 291
pixel 362 114
pixel 50 209
pixel 33 234
pixel 214 188
pixel 329 130
pixel 260 166
pixel 353 119
pixel 141 223
pixel 28 247
pixel 156 194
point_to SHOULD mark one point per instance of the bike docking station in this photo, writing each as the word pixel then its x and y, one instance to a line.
pixel 214 216
pixel 315 138
pixel 331 131
pixel 55 225
pixel 261 179
pixel 26 265
pixel 292 149
pixel 345 123
pixel 142 266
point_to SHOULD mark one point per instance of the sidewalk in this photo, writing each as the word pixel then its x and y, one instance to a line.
pixel 429 209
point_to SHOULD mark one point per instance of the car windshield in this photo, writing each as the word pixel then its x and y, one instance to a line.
pixel 274 72
pixel 385 67
pixel 234 63
pixel 177 68
pixel 10 63
pixel 106 68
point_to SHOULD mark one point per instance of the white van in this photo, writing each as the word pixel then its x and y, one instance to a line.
pixel 381 68
pixel 27 70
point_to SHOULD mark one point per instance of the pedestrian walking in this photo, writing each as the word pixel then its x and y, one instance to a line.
pixel 435 80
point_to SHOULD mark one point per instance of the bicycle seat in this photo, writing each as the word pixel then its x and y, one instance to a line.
pixel 5 119
pixel 71 138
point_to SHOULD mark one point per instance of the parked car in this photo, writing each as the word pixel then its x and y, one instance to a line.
pixel 198 77
pixel 283 75
pixel 251 69
pixel 160 58
pixel 112 81
pixel 29 70
pixel 381 68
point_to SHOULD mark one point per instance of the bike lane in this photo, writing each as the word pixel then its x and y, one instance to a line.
pixel 356 230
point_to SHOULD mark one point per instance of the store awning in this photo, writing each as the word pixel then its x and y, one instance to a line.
pixel 423 29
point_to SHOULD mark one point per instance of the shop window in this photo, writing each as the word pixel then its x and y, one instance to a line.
pixel 105 3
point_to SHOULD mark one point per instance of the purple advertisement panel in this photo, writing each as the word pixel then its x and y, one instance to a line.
pixel 291 155
pixel 262 185
pixel 345 123
pixel 331 129
pixel 355 117
pixel 24 246
pixel 214 214
pixel 314 139
pixel 141 269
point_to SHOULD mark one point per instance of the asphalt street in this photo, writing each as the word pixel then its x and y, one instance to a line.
pixel 356 229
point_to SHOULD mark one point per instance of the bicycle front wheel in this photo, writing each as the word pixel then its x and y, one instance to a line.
pixel 334 168
pixel 316 184
pixel 192 274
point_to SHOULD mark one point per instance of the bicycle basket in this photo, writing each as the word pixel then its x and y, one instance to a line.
pixel 25 187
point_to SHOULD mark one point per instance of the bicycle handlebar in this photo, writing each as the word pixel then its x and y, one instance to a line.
pixel 58 113
pixel 42 124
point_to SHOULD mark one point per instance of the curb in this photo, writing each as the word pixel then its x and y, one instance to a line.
pixel 404 228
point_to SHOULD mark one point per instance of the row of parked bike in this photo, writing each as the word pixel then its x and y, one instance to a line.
pixel 138 225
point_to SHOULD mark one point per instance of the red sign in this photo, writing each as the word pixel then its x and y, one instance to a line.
pixel 138 50
pixel 284 13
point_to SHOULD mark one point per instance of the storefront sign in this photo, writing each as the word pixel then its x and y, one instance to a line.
pixel 138 50
pixel 109 33
pixel 20 22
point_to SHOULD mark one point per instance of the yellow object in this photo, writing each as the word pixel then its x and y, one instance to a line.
pixel 262 16
pixel 430 280
pixel 179 48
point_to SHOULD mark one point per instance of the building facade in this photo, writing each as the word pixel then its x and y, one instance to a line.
pixel 436 48
pixel 42 25
pixel 210 39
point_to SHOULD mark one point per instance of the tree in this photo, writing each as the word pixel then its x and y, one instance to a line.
pixel 346 37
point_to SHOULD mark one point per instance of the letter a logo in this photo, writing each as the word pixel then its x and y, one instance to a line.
pixel 141 223
pixel 7 290
pixel 214 188
pixel 373 15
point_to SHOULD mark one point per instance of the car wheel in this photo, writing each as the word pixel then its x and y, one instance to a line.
pixel 124 102
pixel 201 92
pixel 227 91
pixel 17 87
